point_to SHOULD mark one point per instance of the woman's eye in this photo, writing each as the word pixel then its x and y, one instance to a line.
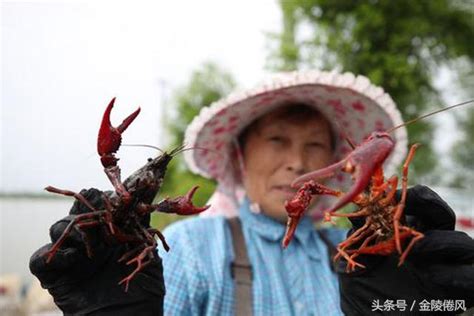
pixel 315 145
pixel 276 139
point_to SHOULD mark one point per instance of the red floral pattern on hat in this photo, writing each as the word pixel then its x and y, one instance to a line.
pixel 358 106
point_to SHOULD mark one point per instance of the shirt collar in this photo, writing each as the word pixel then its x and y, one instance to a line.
pixel 270 228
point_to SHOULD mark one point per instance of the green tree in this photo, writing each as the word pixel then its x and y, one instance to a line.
pixel 207 84
pixel 463 149
pixel 463 152
pixel 399 45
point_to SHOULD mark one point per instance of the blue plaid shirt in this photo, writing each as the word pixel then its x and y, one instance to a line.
pixel 294 281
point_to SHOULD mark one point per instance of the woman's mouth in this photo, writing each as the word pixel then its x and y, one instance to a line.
pixel 285 190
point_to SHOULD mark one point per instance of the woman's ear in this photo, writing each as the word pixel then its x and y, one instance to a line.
pixel 238 163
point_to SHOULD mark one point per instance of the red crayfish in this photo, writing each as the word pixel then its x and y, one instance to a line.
pixel 129 206
pixel 384 230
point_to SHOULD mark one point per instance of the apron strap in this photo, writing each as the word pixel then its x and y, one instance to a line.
pixel 241 270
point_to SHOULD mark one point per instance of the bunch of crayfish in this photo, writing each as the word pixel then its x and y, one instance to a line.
pixel 127 209
pixel 384 230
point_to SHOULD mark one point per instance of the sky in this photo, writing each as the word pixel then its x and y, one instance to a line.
pixel 63 61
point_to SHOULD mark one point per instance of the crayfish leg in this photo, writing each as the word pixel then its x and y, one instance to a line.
pixel 364 244
pixel 362 212
pixel 383 248
pixel 417 236
pixel 401 204
pixel 351 264
pixel 72 224
pixel 352 239
pixel 77 196
pixel 156 232
pixel 113 173
pixel 140 262
pixel 140 266
pixel 392 183
pixel 328 218
pixel 79 228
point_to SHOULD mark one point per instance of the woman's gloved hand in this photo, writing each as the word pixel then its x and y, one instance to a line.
pixel 437 277
pixel 89 286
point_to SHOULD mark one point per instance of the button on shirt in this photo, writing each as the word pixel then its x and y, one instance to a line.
pixel 293 281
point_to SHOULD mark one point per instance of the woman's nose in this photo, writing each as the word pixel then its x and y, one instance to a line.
pixel 296 162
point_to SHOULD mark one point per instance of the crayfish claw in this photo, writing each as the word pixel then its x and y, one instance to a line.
pixel 290 230
pixel 128 120
pixel 191 192
pixel 181 205
pixel 110 138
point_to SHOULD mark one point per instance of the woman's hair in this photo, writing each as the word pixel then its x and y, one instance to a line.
pixel 293 112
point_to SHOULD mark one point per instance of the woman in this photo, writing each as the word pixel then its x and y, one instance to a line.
pixel 257 143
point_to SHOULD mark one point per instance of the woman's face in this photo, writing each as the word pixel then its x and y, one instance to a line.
pixel 277 150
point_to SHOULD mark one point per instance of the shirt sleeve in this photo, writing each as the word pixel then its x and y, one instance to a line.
pixel 185 285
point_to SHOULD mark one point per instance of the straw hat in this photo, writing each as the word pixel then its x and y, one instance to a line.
pixel 349 102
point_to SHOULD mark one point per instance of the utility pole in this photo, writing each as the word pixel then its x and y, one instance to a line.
pixel 163 87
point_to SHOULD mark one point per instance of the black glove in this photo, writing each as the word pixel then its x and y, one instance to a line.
pixel 89 286
pixel 437 277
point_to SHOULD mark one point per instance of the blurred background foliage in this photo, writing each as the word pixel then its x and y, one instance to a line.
pixel 463 153
pixel 400 45
pixel 206 85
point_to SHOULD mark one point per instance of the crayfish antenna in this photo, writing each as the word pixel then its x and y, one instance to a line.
pixel 350 142
pixel 146 146
pixel 177 150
